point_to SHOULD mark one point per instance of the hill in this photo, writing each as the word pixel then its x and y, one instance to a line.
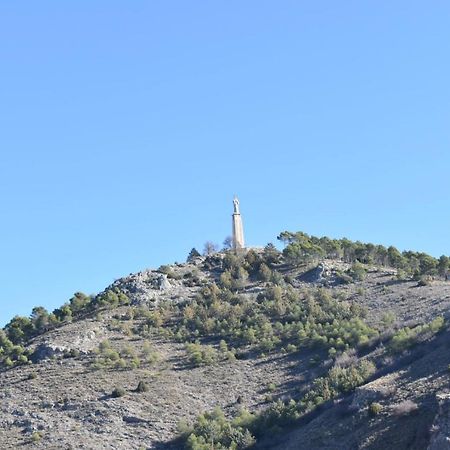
pixel 330 344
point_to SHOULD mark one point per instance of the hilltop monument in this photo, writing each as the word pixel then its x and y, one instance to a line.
pixel 238 230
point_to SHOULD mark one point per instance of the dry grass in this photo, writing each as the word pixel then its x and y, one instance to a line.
pixel 404 408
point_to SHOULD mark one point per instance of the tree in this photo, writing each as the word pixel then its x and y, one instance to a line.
pixel 209 248
pixel 381 255
pixel 265 274
pixel 240 277
pixel 64 313
pixel 227 243
pixel 357 271
pixel 443 265
pixel 79 301
pixel 192 255
pixel 302 251
pixel 427 264
pixel 226 280
pixel 5 344
pixel 271 254
pixel 286 237
pixel 252 262
pixel 112 298
pixel 331 247
pixel 40 318
pixel 19 329
pixel 395 258
pixel 348 248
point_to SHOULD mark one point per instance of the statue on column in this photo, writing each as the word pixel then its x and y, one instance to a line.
pixel 236 205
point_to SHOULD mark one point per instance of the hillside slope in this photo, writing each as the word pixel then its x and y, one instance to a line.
pixel 339 354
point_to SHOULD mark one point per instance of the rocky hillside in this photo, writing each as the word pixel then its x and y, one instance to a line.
pixel 327 345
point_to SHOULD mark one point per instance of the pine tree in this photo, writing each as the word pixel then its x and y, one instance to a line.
pixel 192 255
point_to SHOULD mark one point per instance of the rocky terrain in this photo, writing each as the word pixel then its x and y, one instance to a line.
pixel 65 400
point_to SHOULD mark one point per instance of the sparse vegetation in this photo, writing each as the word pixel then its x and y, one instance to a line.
pixel 338 380
pixel 276 416
pixel 213 430
pixel 407 337
pixel 118 392
pixel 273 320
pixel 21 329
pixel 142 387
pixel 251 311
pixel 125 357
pixel 37 436
pixel 375 409
pixel 199 355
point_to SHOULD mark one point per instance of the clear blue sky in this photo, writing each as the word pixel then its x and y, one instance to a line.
pixel 126 128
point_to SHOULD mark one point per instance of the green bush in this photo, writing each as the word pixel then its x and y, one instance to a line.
pixel 407 337
pixel 111 298
pixel 37 436
pixel 142 387
pixel 265 274
pixel 118 392
pixel 213 430
pixel 357 272
pixel 375 409
pixel 107 357
pixel 424 280
pixel 339 380
pixel 401 274
pixel 199 355
pixel 149 354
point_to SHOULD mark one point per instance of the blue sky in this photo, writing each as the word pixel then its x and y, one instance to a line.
pixel 127 127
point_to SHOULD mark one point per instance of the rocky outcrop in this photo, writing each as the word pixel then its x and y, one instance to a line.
pixel 149 287
pixel 373 391
pixel 324 274
pixel 440 438
pixel 48 350
pixel 143 287
pixel 79 338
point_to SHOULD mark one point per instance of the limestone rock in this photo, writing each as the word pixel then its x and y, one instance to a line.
pixel 47 350
pixel 373 391
pixel 164 284
pixel 323 273
pixel 440 439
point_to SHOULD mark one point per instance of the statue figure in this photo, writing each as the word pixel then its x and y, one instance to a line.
pixel 236 205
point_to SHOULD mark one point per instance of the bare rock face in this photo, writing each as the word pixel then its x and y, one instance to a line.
pixel 324 274
pixel 164 283
pixel 48 350
pixel 440 439
pixel 380 388
pixel 149 287
pixel 144 287
pixel 80 337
